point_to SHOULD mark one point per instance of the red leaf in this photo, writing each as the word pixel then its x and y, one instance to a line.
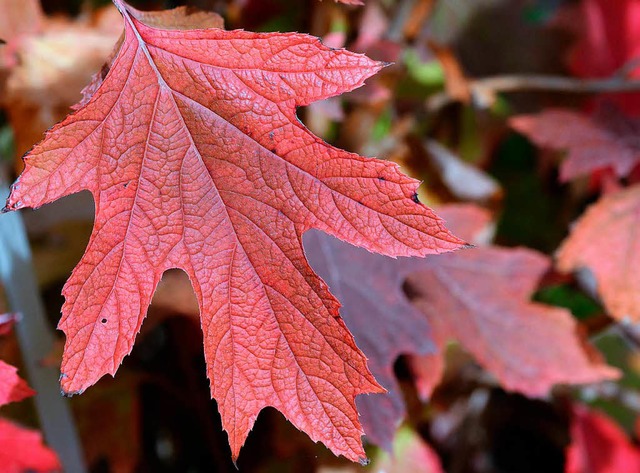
pixel 607 140
pixel 196 160
pixel 610 40
pixel 481 298
pixel 598 445
pixel 22 450
pixel 12 387
pixel 605 241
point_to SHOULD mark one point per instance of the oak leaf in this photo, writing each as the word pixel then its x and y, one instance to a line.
pixel 196 160
pixel 608 139
pixel 604 240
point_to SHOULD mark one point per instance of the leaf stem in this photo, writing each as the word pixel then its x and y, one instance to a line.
pixel 483 92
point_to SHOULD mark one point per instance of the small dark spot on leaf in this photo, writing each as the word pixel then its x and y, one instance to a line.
pixel 381 178
pixel 414 197
pixel 126 184
pixel 271 134
pixel 104 321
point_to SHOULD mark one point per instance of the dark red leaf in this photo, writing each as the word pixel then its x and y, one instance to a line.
pixel 12 387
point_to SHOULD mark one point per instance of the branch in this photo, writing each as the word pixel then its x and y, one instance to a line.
pixel 36 341
pixel 483 92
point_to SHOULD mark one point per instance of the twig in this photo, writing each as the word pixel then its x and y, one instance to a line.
pixel 36 341
pixel 483 92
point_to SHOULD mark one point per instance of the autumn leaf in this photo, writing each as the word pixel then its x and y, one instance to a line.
pixel 22 450
pixel 598 445
pixel 608 139
pixel 12 387
pixel 604 241
pixel 481 298
pixel 196 160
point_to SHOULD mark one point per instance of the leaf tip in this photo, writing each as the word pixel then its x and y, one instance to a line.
pixel 10 207
pixel 64 379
